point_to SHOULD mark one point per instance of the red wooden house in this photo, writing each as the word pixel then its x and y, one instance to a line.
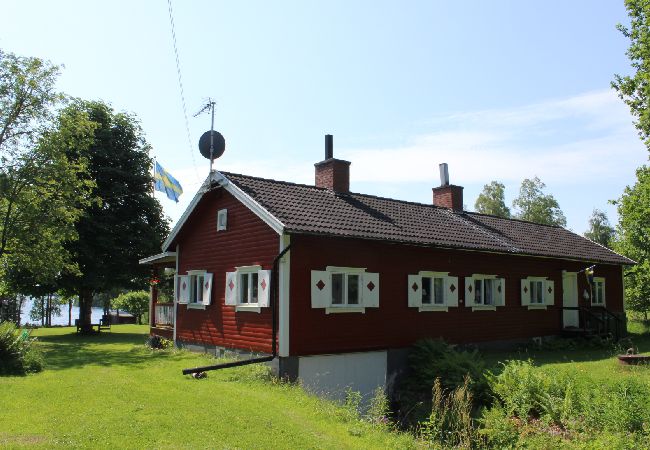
pixel 354 279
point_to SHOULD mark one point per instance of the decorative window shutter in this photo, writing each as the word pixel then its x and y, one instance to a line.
pixel 414 289
pixel 321 289
pixel 263 287
pixel 207 289
pixel 231 288
pixel 183 289
pixel 451 291
pixel 176 288
pixel 370 296
pixel 525 292
pixel 469 291
pixel 500 292
pixel 549 297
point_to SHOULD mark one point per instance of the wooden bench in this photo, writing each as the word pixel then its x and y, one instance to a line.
pixel 104 324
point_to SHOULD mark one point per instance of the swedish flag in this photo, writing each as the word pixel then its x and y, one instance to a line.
pixel 166 183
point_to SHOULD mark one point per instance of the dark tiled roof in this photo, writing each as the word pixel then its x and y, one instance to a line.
pixel 309 209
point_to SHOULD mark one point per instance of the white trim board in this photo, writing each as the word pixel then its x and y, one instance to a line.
pixel 231 188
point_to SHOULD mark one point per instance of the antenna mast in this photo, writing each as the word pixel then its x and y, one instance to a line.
pixel 209 105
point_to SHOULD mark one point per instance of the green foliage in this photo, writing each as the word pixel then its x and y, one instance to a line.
pixel 599 228
pixel 450 423
pixel 127 223
pixel 379 409
pixel 535 206
pixel 492 200
pixel 159 343
pixel 635 90
pixel 633 240
pixel 18 354
pixel 434 359
pixel 41 191
pixel 134 302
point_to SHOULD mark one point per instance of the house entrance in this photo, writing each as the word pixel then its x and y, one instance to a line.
pixel 570 299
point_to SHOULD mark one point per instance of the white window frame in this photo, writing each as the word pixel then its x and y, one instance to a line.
pixel 323 296
pixel 482 305
pixel 241 305
pixel 416 299
pixel 195 287
pixel 222 220
pixel 546 282
pixel 594 296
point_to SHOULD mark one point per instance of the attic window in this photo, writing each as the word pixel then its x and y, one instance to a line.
pixel 222 219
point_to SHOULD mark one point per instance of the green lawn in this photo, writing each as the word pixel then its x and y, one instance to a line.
pixel 110 391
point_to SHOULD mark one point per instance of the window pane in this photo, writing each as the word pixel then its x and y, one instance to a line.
pixel 253 289
pixel 199 289
pixel 243 282
pixel 192 288
pixel 337 289
pixel 353 289
pixel 478 291
pixel 489 285
pixel 439 291
pixel 426 291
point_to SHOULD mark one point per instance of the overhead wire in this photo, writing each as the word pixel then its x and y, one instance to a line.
pixel 180 84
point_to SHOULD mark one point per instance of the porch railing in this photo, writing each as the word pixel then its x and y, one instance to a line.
pixel 599 320
pixel 164 314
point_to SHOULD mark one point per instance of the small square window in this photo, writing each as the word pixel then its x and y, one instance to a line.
pixel 222 220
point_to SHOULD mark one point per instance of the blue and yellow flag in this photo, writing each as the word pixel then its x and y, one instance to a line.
pixel 166 183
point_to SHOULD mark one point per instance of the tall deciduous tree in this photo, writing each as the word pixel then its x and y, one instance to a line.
pixel 633 240
pixel 635 89
pixel 492 200
pixel 535 206
pixel 42 191
pixel 599 228
pixel 127 223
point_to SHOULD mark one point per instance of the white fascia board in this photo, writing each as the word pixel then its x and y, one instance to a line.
pixel 160 257
pixel 240 195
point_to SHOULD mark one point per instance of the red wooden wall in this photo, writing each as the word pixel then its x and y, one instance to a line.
pixel 247 241
pixel 394 324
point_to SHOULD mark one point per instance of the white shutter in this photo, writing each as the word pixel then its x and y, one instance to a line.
pixel 451 291
pixel 525 292
pixel 176 288
pixel 263 287
pixel 370 291
pixel 231 288
pixel 500 292
pixel 321 289
pixel 183 289
pixel 414 289
pixel 469 291
pixel 549 292
pixel 207 289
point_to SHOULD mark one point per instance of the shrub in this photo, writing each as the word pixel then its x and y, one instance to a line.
pixel 159 343
pixel 450 423
pixel 134 302
pixel 434 359
pixel 18 354
pixel 379 408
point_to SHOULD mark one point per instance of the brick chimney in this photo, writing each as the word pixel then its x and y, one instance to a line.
pixel 447 195
pixel 332 173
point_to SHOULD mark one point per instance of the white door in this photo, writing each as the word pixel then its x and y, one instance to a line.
pixel 570 299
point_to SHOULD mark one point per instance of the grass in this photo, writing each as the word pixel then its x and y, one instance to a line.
pixel 110 391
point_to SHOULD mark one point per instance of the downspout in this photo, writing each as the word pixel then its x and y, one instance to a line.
pixel 274 327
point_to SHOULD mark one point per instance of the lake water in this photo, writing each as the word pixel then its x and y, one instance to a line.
pixel 96 314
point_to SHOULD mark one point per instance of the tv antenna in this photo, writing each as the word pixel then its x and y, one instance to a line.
pixel 211 144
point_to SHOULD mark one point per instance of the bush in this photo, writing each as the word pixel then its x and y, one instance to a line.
pixel 18 354
pixel 434 359
pixel 159 343
pixel 134 302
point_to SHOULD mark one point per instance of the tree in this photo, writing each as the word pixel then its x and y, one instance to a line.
pixel 599 228
pixel 633 240
pixel 492 200
pixel 635 90
pixel 134 302
pixel 127 222
pixel 42 192
pixel 535 206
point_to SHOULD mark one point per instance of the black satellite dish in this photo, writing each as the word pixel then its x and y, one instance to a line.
pixel 218 142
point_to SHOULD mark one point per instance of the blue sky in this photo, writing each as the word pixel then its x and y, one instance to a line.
pixel 500 90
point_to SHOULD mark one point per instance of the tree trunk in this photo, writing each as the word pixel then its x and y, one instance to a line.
pixel 85 311
pixel 70 312
pixel 42 311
